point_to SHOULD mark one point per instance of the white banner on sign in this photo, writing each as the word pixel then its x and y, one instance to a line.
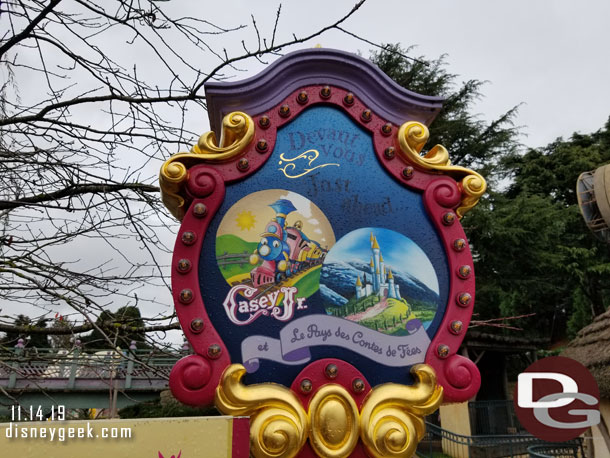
pixel 292 348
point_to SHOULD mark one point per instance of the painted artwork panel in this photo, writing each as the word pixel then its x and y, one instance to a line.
pixel 380 279
pixel 270 247
pixel 328 161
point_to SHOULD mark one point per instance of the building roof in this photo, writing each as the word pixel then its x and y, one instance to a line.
pixel 502 343
pixel 591 347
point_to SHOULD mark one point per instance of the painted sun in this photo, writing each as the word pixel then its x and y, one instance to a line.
pixel 245 220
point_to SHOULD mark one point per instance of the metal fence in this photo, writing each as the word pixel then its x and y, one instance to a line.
pixel 439 443
pixel 228 259
pixel 563 450
pixel 493 417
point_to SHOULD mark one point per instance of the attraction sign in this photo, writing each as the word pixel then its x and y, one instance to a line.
pixel 321 274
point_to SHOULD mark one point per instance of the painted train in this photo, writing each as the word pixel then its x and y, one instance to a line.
pixel 284 250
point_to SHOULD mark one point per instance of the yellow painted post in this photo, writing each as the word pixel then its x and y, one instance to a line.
pixel 456 419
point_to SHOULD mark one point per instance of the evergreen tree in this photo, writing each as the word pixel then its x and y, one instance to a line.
pixel 121 327
pixel 531 248
pixel 471 141
pixel 30 339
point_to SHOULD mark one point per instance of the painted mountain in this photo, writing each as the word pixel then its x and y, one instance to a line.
pixel 338 280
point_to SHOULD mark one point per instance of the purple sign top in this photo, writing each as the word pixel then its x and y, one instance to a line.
pixel 320 66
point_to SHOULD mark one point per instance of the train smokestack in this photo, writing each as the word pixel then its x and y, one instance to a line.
pixel 282 208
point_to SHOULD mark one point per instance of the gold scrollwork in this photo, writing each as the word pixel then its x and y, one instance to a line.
pixel 390 423
pixel 278 423
pixel 334 420
pixel 392 416
pixel 412 136
pixel 236 133
pixel 310 156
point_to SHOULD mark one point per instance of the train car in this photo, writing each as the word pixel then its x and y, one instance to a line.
pixel 315 255
pixel 299 245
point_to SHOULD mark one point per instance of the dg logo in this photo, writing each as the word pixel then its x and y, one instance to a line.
pixel 557 399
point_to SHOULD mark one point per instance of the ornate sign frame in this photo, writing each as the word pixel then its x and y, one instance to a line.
pixel 248 115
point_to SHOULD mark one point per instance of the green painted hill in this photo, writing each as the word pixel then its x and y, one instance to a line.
pixel 310 283
pixel 233 244
pixel 396 312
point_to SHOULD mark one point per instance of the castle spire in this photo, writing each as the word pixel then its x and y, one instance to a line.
pixel 392 288
pixel 382 268
pixel 375 244
pixel 359 289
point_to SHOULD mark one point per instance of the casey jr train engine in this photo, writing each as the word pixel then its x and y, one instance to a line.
pixel 284 250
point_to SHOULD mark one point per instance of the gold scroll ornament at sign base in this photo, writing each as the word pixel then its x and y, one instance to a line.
pixel 237 133
pixel 390 422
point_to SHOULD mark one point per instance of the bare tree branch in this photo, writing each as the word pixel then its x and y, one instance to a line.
pixel 110 91
pixel 29 28
pixel 75 190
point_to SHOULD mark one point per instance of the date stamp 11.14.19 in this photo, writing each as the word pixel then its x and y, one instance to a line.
pixel 37 413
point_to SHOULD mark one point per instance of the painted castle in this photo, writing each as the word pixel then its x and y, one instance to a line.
pixel 382 278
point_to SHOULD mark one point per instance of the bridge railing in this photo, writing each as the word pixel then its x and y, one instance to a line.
pixel 132 366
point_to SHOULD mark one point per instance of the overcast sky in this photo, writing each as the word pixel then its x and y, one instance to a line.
pixel 551 56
